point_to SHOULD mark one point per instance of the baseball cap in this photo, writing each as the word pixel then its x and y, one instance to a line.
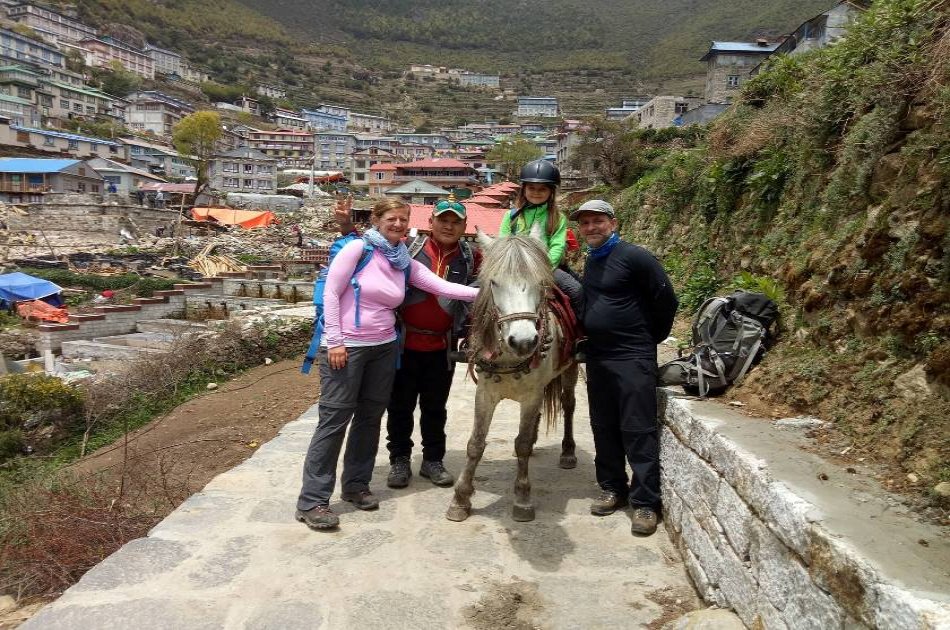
pixel 594 205
pixel 447 205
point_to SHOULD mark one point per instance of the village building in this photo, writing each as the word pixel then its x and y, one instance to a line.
pixel 101 52
pixel 38 140
pixel 476 79
pixel 445 173
pixel 381 178
pixel 418 192
pixel 333 150
pixel 48 23
pixel 159 159
pixel 324 121
pixel 15 48
pixel 250 105
pixel 289 119
pixel 17 87
pixel 730 64
pixel 126 179
pixel 821 30
pixel 369 123
pixel 362 160
pixel 62 101
pixel 243 170
pixel 537 107
pixel 662 111
pixel 627 107
pixel 271 91
pixel 192 75
pixel 437 141
pixel 290 147
pixel 29 180
pixel 165 61
pixel 155 112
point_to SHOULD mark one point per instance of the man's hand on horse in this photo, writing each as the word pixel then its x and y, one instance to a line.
pixel 336 357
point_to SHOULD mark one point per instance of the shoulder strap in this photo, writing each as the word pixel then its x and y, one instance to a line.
pixel 417 244
pixel 469 259
pixel 364 257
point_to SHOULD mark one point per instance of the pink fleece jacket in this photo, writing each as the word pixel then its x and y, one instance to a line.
pixel 382 290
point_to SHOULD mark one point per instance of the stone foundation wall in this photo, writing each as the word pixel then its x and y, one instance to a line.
pixel 68 221
pixel 752 544
pixel 116 320
pixel 289 291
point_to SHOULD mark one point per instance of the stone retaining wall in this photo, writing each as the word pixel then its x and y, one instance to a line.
pixel 116 320
pixel 288 290
pixel 754 545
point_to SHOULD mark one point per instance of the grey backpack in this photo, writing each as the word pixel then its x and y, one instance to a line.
pixel 730 335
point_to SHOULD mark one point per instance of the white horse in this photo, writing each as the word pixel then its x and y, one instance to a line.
pixel 515 347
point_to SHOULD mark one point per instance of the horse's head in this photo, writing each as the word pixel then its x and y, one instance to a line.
pixel 515 278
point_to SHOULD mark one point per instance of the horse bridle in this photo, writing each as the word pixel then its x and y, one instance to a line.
pixel 523 367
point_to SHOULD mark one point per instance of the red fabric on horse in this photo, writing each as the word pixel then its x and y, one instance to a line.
pixel 571 328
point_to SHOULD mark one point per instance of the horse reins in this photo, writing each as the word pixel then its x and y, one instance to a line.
pixel 523 367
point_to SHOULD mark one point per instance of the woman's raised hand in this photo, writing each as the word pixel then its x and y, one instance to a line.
pixel 342 210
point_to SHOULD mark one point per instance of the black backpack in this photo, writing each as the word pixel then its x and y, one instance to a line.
pixel 730 335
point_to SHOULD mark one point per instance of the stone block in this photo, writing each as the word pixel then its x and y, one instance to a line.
pixel 702 433
pixel 748 475
pixel 896 608
pixel 776 569
pixel 736 519
pixel 677 416
pixel 138 561
pixel 141 614
pixel 768 617
pixel 809 608
pixel 698 576
pixel 737 585
pixel 698 541
pixel 673 507
pixel 790 517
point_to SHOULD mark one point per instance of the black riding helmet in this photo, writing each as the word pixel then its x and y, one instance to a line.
pixel 541 172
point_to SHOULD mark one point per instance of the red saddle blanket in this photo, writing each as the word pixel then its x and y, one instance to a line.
pixel 571 329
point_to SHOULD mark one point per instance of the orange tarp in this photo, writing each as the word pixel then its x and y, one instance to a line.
pixel 247 219
pixel 38 309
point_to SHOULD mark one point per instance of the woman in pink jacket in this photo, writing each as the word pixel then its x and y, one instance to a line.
pixel 358 362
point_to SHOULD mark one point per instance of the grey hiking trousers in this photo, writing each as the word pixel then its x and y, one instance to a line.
pixel 358 392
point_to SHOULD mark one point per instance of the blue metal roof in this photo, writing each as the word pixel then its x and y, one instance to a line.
pixel 68 136
pixel 34 165
pixel 740 47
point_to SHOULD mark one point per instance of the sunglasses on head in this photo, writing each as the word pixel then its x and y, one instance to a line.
pixel 445 204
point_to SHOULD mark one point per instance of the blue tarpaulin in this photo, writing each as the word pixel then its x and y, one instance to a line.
pixel 18 287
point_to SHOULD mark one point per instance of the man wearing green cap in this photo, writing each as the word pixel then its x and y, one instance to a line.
pixel 431 328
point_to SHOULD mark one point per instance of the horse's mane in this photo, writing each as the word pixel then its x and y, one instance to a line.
pixel 507 259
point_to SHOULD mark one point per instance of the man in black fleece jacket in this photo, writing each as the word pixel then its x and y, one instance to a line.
pixel 629 309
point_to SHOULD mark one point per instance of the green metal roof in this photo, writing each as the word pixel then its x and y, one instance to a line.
pixel 14 99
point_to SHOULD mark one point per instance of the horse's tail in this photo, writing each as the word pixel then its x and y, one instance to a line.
pixel 552 402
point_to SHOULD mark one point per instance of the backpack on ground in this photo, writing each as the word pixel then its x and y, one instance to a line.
pixel 319 286
pixel 730 335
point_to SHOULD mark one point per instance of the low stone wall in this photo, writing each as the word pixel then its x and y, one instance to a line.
pixel 116 320
pixel 765 531
pixel 288 290
pixel 211 306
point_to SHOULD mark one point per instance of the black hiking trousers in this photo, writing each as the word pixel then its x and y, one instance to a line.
pixel 426 378
pixel 622 398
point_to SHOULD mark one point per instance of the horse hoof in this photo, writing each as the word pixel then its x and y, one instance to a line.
pixel 522 513
pixel 567 462
pixel 457 513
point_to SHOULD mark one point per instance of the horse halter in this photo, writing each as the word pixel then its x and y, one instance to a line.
pixel 532 361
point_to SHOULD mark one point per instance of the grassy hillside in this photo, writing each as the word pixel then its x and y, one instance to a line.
pixel 828 185
pixel 653 39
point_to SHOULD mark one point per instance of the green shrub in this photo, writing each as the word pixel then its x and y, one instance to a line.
pixel 27 399
pixel 143 286
pixel 760 284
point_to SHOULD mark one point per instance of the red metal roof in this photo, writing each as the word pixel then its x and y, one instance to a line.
pixel 484 200
pixel 488 219
pixel 435 163
pixel 383 167
pixel 495 194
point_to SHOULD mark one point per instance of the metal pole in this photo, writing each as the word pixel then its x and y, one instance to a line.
pixel 313 163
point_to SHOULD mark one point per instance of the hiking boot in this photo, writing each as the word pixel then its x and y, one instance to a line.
pixel 361 499
pixel 320 517
pixel 436 473
pixel 607 503
pixel 399 473
pixel 643 521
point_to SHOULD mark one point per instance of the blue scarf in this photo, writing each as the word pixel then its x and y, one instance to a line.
pixel 604 248
pixel 397 255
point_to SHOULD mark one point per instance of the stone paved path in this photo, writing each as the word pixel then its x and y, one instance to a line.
pixel 233 557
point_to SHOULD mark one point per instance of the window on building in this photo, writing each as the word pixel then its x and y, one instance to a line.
pixel 680 108
pixel 77 107
pixel 81 187
pixel 64 104
pixel 732 81
pixel 249 183
pixel 248 168
pixel 74 144
pixel 95 188
pixel 263 183
pixel 23 92
pixel 361 177
pixel 113 149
